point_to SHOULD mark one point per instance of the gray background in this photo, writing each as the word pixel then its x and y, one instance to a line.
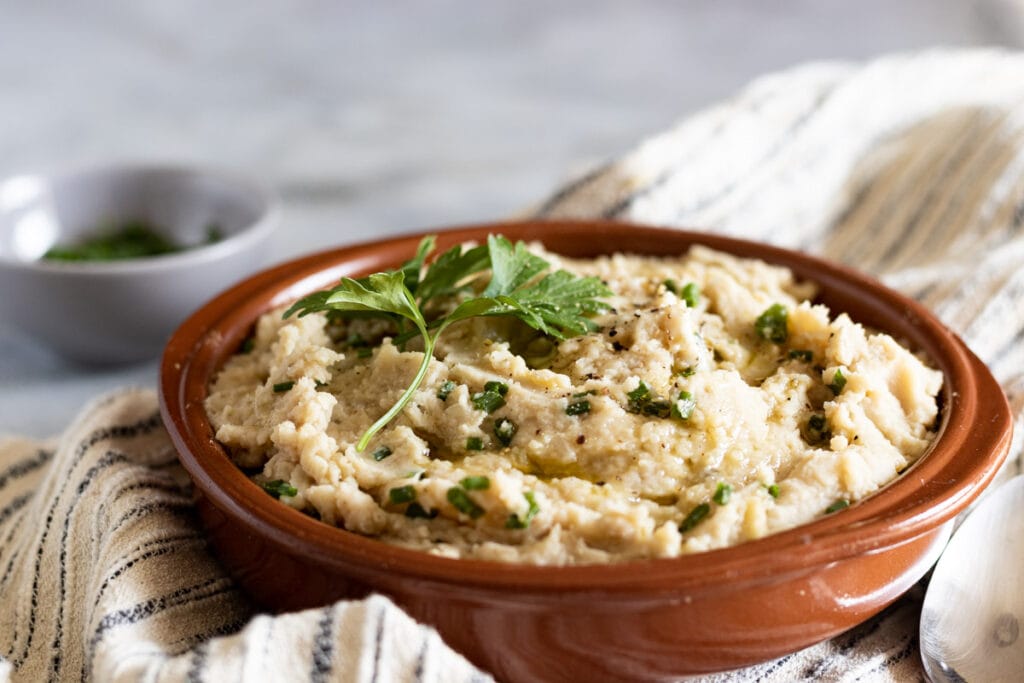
pixel 379 118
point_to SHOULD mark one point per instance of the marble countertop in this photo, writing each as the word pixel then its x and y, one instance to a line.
pixel 371 118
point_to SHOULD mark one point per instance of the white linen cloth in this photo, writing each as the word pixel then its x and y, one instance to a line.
pixel 910 168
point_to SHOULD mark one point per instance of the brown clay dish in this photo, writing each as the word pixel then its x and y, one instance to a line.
pixel 655 619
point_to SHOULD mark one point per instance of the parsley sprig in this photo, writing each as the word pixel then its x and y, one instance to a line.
pixel 521 285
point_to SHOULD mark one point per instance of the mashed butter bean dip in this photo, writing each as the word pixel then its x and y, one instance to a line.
pixel 504 403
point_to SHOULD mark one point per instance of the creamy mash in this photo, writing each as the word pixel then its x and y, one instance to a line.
pixel 715 405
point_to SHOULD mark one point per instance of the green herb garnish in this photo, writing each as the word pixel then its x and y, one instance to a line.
pixel 214 234
pixel 688 371
pixel 496 387
pixel 520 285
pixel 690 294
pixel 771 325
pixel 402 494
pixel 696 515
pixel 838 382
pixel 581 407
pixel 279 487
pixel 491 398
pixel 478 483
pixel 135 239
pixel 474 443
pixel 641 400
pixel 445 390
pixel 638 397
pixel 723 493
pixel 282 387
pixel 840 504
pixel 364 352
pixel 381 453
pixel 773 490
pixel 504 430
pixel 817 428
pixel 806 355
pixel 461 501
pixel 657 407
pixel 417 511
pixel 684 406
pixel 671 286
pixel 514 521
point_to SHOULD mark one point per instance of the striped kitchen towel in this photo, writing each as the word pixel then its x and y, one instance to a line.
pixel 909 167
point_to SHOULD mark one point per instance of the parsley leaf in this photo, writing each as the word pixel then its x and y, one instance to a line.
pixel 411 268
pixel 450 271
pixel 556 303
pixel 514 521
pixel 521 285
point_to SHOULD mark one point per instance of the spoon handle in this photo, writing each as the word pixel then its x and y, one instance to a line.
pixel 973 613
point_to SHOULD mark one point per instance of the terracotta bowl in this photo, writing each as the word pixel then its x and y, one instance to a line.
pixel 655 619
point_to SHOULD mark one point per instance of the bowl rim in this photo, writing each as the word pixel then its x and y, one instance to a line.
pixel 970 446
pixel 268 209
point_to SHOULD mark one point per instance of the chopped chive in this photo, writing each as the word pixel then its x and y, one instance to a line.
pixel 657 407
pixel 514 521
pixel 584 394
pixel 504 430
pixel 282 387
pixel 840 504
pixel 490 399
pixel 461 501
pixel 671 286
pixel 723 493
pixel 642 401
pixel 578 408
pixel 684 406
pixel 445 390
pixel 637 396
pixel 838 382
pixel 497 387
pixel 806 355
pixel 688 371
pixel 816 429
pixel 696 515
pixel 417 511
pixel 478 483
pixel 772 324
pixel 381 453
pixel 402 494
pixel 474 443
pixel 690 294
pixel 773 490
pixel 279 487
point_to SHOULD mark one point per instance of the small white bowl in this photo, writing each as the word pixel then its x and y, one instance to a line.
pixel 105 312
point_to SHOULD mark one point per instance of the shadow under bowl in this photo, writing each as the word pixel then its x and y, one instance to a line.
pixel 643 620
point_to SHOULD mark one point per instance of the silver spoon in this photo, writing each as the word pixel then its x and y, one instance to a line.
pixel 972 620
